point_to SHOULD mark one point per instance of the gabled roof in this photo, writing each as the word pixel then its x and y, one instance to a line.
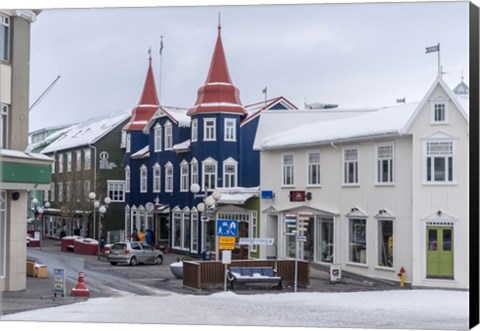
pixel 147 105
pixel 88 132
pixel 255 109
pixel 49 139
pixel 218 94
pixel 178 115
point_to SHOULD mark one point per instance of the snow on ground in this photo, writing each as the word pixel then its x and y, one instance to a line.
pixel 402 309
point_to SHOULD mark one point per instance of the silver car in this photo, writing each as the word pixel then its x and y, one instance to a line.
pixel 134 253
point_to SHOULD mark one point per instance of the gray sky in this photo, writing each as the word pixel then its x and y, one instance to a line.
pixel 363 54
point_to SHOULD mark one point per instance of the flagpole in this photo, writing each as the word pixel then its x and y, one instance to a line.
pixel 160 71
pixel 439 66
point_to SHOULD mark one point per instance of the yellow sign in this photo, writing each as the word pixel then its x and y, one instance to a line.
pixel 226 243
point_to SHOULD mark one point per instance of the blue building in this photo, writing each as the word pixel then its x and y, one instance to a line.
pixel 186 168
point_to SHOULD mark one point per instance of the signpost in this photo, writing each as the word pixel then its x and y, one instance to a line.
pixel 227 231
pixel 59 282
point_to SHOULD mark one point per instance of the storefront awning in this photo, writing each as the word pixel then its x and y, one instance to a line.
pixel 235 198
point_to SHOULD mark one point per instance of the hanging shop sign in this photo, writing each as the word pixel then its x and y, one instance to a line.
pixel 297 196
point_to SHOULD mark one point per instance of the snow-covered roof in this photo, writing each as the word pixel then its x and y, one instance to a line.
pixel 89 131
pixel 182 146
pixel 255 109
pixel 237 195
pixel 142 153
pixel 176 114
pixel 23 155
pixel 52 137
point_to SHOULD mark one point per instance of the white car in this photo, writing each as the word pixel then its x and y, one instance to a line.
pixel 134 253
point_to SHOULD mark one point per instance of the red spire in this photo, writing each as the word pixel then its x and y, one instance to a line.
pixel 218 94
pixel 148 103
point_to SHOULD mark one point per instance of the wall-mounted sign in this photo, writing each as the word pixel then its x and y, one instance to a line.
pixel 267 195
pixel 297 196
pixel 104 163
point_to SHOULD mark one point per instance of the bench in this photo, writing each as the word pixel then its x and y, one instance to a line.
pixel 253 275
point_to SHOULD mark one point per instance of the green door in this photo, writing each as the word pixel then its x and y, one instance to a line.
pixel 439 252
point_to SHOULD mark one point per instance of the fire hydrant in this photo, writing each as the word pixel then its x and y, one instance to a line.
pixel 401 274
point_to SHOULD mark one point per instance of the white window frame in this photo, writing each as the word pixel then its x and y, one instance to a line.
pixel 194 134
pixel 314 165
pixel 157 178
pixel 123 139
pixel 379 164
pixel 78 160
pixel 288 170
pixel 209 129
pixel 60 163
pixel 184 175
pixel 445 157
pixel 4 110
pixel 86 189
pixel 227 177
pixel 128 143
pixel 60 191
pixel 169 177
pixel 52 192
pixel 346 163
pixel 5 23
pixel 127 179
pixel 143 179
pixel 212 175
pixel 116 190
pixel 350 239
pixel 68 191
pixel 435 103
pixel 230 129
pixel 87 159
pixel 69 161
pixel 168 135
pixel 378 244
pixel 194 171
pixel 157 138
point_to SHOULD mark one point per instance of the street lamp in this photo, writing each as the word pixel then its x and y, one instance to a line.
pixel 96 205
pixel 38 210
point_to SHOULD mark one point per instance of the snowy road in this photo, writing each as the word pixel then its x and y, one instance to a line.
pixel 407 309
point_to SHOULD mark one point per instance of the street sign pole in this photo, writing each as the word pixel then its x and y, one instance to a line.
pixel 296 258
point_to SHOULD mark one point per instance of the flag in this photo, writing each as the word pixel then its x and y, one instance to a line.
pixel 161 45
pixel 432 49
pixel 264 91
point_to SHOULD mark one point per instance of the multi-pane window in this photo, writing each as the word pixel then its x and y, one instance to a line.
pixel 68 189
pixel 385 164
pixel 116 190
pixel 168 136
pixel 4 38
pixel 357 250
pixel 287 161
pixel 209 129
pixel 184 176
pixel 157 138
pixel 194 172
pixel 127 179
pixel 60 163
pixel 3 232
pixel 230 173
pixel 123 139
pixel 186 230
pixel 87 159
pixel 230 129
pixel 60 191
pixel 325 233
pixel 78 160
pixel 52 192
pixel 350 166
pixel 194 130
pixel 86 189
pixel 3 125
pixel 177 229
pixel 439 112
pixel 314 168
pixel 194 216
pixel 168 177
pixel 69 161
pixel 209 175
pixel 143 179
pixel 439 161
pixel 156 178
pixel 385 243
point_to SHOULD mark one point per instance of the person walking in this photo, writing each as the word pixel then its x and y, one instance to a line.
pixel 141 235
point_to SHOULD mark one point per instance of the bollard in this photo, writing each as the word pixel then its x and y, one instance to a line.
pixel 80 290
pixel 401 274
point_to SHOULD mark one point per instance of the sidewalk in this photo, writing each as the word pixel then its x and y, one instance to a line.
pixel 39 292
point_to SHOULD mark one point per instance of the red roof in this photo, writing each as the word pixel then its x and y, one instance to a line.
pixel 147 105
pixel 218 94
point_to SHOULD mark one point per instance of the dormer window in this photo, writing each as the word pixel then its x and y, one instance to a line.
pixel 194 130
pixel 157 138
pixel 439 111
pixel 168 136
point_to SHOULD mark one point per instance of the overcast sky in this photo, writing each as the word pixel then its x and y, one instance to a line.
pixel 353 55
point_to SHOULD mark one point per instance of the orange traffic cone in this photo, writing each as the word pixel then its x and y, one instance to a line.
pixel 80 290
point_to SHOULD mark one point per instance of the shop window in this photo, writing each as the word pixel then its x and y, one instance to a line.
pixel 357 251
pixel 385 243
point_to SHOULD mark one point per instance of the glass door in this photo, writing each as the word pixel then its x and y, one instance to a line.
pixel 439 252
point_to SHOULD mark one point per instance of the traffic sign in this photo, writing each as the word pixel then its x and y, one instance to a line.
pixel 256 241
pixel 226 243
pixel 226 257
pixel 227 228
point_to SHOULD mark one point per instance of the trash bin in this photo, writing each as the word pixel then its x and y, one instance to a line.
pixel 206 255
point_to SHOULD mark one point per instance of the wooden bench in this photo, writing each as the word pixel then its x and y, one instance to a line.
pixel 253 275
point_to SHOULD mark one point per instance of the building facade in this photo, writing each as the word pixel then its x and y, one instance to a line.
pixel 373 190
pixel 179 159
pixel 20 171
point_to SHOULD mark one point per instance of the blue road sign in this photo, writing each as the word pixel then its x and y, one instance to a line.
pixel 227 228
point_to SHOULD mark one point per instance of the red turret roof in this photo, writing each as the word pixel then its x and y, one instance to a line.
pixel 218 94
pixel 147 105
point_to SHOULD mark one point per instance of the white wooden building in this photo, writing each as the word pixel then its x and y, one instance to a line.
pixel 376 189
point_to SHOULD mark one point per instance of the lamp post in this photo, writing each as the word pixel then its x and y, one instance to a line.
pixel 207 206
pixel 38 210
pixel 96 205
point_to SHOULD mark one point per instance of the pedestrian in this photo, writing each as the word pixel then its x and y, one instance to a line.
pixel 141 235
pixel 135 235
pixel 149 237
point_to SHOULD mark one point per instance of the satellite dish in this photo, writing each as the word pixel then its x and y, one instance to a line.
pixel 149 207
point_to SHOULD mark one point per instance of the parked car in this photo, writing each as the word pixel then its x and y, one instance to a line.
pixel 134 253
